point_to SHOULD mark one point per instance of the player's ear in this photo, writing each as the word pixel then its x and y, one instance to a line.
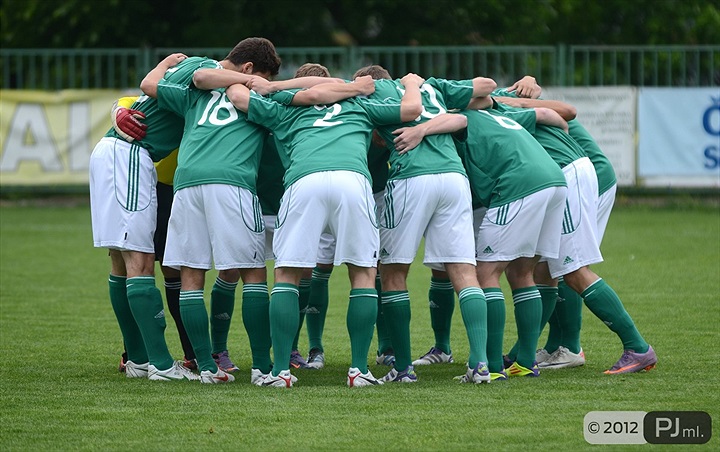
pixel 247 68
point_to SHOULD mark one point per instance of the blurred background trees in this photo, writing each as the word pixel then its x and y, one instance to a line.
pixel 311 23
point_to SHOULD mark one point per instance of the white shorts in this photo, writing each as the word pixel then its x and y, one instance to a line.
pixel 606 201
pixel 215 223
pixel 579 240
pixel 123 197
pixel 527 227
pixel 437 207
pixel 339 203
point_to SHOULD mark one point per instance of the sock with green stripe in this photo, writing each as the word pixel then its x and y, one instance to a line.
pixel 602 301
pixel 147 307
pixel 222 306
pixel 284 316
pixel 442 304
pixel 528 311
pixel 569 318
pixel 396 309
pixel 317 307
pixel 132 338
pixel 495 327
pixel 474 314
pixel 383 337
pixel 361 315
pixel 195 318
pixel 303 300
pixel 256 318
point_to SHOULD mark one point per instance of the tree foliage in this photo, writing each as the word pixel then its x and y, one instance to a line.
pixel 310 23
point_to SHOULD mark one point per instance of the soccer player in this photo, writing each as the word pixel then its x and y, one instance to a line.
pixel 123 205
pixel 216 217
pixel 165 168
pixel 428 195
pixel 327 190
pixel 579 245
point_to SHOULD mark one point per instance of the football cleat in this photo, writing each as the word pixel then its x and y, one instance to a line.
pixel 283 380
pixel 631 362
pixel 133 370
pixel 478 374
pixel 516 370
pixel 357 379
pixel 316 359
pixel 224 362
pixel 385 359
pixel 434 356
pixel 218 377
pixel 563 358
pixel 297 361
pixel 176 372
pixel 406 376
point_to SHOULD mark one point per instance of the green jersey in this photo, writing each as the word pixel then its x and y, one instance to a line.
pixel 164 130
pixel 558 144
pixel 323 137
pixel 270 177
pixel 504 162
pixel 436 153
pixel 603 167
pixel 219 144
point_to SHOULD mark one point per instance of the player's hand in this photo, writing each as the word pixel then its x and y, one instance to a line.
pixel 173 59
pixel 407 138
pixel 126 123
pixel 260 85
pixel 365 84
pixel 412 79
pixel 526 87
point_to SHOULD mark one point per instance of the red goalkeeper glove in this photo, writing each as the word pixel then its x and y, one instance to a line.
pixel 126 124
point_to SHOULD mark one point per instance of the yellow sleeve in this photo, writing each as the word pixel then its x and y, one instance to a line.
pixel 126 102
pixel 166 168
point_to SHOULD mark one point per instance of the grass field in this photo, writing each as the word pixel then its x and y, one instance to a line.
pixel 59 347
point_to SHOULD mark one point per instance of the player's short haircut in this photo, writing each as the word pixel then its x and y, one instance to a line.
pixel 258 51
pixel 312 70
pixel 377 72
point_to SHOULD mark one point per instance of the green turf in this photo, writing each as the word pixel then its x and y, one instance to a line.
pixel 59 347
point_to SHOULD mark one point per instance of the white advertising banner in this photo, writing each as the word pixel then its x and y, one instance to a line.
pixel 609 114
pixel 679 132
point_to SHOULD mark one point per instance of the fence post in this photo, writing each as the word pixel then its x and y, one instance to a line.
pixel 560 69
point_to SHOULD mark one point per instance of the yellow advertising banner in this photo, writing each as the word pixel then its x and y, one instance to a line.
pixel 46 137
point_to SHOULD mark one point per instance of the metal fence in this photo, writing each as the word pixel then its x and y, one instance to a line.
pixel 56 69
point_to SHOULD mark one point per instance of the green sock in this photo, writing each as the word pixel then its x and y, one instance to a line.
pixel 606 305
pixel 132 338
pixel 549 298
pixel 396 309
pixel 256 318
pixel 569 317
pixel 383 337
pixel 317 307
pixel 474 314
pixel 147 307
pixel 442 304
pixel 304 298
pixel 284 318
pixel 222 305
pixel 361 315
pixel 495 327
pixel 528 311
pixel 195 318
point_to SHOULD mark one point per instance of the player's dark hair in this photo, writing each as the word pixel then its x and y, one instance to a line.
pixel 258 51
pixel 375 71
pixel 312 70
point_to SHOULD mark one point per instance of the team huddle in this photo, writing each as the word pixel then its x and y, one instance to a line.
pixel 315 172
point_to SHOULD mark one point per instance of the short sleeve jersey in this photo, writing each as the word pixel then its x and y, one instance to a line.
pixel 323 137
pixel 603 167
pixel 436 153
pixel 504 162
pixel 164 129
pixel 219 144
pixel 558 144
